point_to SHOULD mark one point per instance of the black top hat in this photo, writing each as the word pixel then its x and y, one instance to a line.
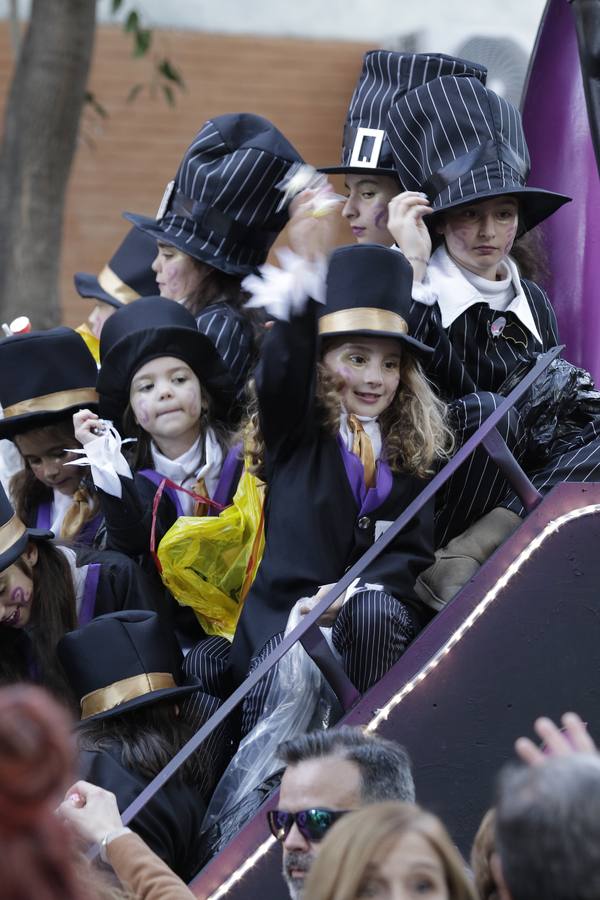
pixel 127 276
pixel 458 142
pixel 223 207
pixel 385 77
pixel 44 376
pixel 120 662
pixel 149 328
pixel 14 535
pixel 368 292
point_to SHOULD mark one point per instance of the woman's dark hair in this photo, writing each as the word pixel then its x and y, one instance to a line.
pixel 53 613
pixel 216 287
pixel 148 738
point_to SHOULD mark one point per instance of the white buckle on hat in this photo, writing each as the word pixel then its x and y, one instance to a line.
pixel 165 201
pixel 365 162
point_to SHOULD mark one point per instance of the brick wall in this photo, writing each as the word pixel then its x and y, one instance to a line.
pixel 124 161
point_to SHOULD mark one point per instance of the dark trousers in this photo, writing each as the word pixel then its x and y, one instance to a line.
pixel 371 632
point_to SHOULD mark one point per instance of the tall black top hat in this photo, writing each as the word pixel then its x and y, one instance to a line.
pixel 120 662
pixel 149 328
pixel 127 276
pixel 223 207
pixel 14 535
pixel 385 77
pixel 458 142
pixel 368 292
pixel 44 375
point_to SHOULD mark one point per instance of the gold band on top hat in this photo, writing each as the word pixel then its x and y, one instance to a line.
pixel 121 691
pixel 362 318
pixel 10 533
pixel 110 282
pixel 52 402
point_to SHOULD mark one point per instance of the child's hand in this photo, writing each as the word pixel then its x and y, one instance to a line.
pixel 572 738
pixel 406 225
pixel 312 231
pixel 84 423
pixel 330 615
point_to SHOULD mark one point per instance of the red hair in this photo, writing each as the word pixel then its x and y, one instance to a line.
pixel 36 767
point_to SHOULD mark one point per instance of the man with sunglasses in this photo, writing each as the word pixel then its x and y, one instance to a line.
pixel 328 774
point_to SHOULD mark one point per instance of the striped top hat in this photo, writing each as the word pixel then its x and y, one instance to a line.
pixel 357 302
pixel 44 376
pixel 127 276
pixel 223 208
pixel 457 141
pixel 385 77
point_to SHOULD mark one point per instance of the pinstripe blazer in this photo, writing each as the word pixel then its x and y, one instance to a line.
pixel 467 358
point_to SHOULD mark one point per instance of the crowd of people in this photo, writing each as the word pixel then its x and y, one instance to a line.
pixel 324 391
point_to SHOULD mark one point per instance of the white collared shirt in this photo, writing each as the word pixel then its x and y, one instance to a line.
pixel 185 470
pixel 455 289
pixel 372 429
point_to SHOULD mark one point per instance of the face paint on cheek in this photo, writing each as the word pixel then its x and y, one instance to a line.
pixel 17 596
pixel 510 239
pixel 142 414
pixel 380 218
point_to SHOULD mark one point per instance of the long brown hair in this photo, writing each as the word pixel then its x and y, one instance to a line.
pixel 413 428
pixel 361 838
pixel 53 613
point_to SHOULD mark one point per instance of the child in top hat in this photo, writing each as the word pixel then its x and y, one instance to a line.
pixel 163 383
pixel 131 726
pixel 216 224
pixel 349 431
pixel 468 198
pixel 371 178
pixel 126 277
pixel 44 377
pixel 47 590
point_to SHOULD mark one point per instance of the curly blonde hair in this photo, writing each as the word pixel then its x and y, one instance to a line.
pixel 414 431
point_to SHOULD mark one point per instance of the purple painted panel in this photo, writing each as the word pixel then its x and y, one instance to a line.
pixel 562 156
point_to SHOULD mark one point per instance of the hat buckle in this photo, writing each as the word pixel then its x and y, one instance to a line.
pixel 358 157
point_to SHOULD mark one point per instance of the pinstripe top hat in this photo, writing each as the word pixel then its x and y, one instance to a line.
pixel 385 77
pixel 459 142
pixel 44 377
pixel 223 206
pixel 361 302
pixel 127 276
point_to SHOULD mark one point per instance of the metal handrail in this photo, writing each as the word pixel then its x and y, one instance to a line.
pixel 515 475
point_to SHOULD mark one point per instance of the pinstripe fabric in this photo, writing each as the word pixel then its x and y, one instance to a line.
pixel 232 334
pixel 371 632
pixel 385 77
pixel 458 141
pixel 223 206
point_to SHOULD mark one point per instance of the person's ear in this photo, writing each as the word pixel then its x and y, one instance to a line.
pixel 31 554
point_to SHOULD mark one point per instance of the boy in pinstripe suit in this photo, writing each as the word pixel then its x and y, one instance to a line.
pixel 461 153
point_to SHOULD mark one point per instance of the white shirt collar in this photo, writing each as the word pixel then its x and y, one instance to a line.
pixel 372 428
pixel 186 469
pixel 457 289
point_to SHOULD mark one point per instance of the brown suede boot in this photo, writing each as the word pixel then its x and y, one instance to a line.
pixel 459 560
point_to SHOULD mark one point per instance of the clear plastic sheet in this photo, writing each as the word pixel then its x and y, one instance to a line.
pixel 299 700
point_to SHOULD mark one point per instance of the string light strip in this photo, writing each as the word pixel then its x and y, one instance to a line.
pixel 383 713
pixel 551 528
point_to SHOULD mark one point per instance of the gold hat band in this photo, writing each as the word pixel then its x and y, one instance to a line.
pixel 10 533
pixel 116 287
pixel 52 402
pixel 362 318
pixel 127 689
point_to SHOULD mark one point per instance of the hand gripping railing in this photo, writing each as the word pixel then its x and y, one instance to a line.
pixel 308 633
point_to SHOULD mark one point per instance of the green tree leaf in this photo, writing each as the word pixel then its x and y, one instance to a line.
pixel 132 22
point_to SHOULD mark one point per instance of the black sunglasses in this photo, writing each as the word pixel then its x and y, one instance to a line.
pixel 312 824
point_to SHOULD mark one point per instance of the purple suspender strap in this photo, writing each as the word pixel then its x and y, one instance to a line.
pixel 90 589
pixel 156 478
pixel 43 518
pixel 228 479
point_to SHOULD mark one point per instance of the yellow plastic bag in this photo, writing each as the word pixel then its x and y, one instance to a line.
pixel 209 562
